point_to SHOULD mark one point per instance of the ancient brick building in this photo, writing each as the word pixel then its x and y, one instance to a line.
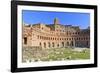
pixel 55 35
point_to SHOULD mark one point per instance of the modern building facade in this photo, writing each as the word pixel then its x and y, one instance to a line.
pixel 56 35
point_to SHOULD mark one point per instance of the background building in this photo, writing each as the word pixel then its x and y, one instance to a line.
pixel 55 35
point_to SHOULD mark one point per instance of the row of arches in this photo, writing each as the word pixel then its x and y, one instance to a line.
pixel 61 44
pixel 64 44
pixel 55 45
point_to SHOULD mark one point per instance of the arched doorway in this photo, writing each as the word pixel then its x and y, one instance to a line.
pixel 25 40
pixel 72 44
pixel 40 44
pixel 53 44
pixel 49 45
pixel 44 45
pixel 57 45
pixel 67 43
pixel 62 44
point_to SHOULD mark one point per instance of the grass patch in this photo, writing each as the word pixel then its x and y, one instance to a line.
pixel 61 54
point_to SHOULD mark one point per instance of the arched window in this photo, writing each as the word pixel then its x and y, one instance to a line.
pixel 51 38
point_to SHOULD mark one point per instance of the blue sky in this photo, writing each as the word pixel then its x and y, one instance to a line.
pixel 65 18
